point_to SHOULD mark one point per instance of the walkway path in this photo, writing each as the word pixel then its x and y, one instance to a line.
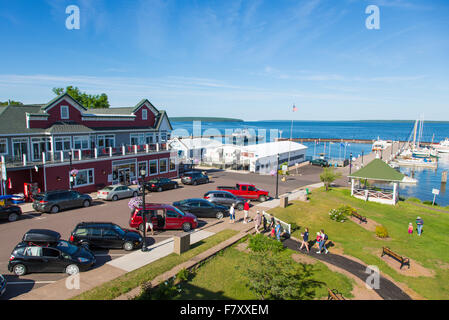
pixel 387 289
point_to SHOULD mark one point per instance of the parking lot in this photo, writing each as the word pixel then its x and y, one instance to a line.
pixel 119 213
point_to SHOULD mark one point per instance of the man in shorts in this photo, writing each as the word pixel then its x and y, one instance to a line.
pixel 246 210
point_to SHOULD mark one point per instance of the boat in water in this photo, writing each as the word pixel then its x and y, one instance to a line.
pixel 443 146
pixel 416 162
pixel 380 145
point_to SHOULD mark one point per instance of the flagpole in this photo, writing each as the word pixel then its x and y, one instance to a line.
pixel 290 141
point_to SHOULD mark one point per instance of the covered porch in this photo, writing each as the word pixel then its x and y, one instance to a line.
pixel 376 171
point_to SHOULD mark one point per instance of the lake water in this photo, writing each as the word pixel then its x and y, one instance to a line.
pixel 428 179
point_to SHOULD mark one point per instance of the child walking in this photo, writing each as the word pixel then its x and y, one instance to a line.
pixel 410 228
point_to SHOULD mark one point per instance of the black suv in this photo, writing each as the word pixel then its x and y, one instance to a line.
pixel 10 212
pixel 194 178
pixel 225 198
pixel 43 250
pixel 55 201
pixel 106 235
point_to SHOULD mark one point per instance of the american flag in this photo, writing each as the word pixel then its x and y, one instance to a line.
pixel 294 108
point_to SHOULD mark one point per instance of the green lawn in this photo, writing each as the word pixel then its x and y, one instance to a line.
pixel 223 278
pixel 134 279
pixel 430 250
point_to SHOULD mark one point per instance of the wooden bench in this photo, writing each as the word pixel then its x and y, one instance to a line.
pixel 359 216
pixel 334 295
pixel 403 260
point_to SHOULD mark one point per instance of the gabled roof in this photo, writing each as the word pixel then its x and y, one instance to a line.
pixel 160 118
pixel 378 170
pixel 143 101
pixel 60 97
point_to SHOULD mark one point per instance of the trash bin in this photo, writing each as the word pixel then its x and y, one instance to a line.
pixel 181 242
pixel 284 202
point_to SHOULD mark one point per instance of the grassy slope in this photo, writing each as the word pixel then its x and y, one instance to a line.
pixel 429 250
pixel 134 279
pixel 223 278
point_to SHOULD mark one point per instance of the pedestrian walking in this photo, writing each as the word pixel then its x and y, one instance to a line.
pixel 410 228
pixel 305 239
pixel 318 239
pixel 322 244
pixel 149 223
pixel 246 211
pixel 278 230
pixel 419 224
pixel 257 221
pixel 232 213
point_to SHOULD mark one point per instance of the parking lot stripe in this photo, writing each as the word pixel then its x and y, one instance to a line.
pixel 31 282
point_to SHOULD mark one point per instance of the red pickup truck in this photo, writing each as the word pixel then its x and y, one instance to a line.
pixel 246 191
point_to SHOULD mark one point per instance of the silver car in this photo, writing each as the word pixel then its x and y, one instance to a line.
pixel 117 191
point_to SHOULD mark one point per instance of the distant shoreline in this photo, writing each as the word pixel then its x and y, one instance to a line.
pixel 208 119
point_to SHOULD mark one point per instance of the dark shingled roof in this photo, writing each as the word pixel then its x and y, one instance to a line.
pixel 13 119
pixel 63 127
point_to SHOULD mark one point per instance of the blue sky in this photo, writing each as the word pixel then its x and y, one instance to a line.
pixel 244 59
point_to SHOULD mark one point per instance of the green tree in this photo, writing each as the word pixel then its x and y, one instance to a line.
pixel 328 176
pixel 88 100
pixel 10 103
pixel 276 276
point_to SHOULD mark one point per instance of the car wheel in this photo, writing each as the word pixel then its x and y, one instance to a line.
pixel 195 183
pixel 13 217
pixel 72 269
pixel 54 209
pixel 262 198
pixel 159 189
pixel 219 215
pixel 186 227
pixel 207 181
pixel 175 186
pixel 128 246
pixel 86 203
pixel 135 194
pixel 115 198
pixel 19 270
pixel 240 207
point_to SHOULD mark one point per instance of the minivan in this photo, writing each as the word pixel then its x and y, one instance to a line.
pixel 55 201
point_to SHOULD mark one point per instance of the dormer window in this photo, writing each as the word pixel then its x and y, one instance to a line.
pixel 64 112
pixel 144 114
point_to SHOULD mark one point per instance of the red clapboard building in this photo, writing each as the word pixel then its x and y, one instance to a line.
pixel 43 143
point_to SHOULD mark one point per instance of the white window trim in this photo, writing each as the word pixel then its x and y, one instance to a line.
pixel 86 184
pixel 138 136
pixel 174 160
pixel 67 109
pixel 7 146
pixel 18 140
pixel 157 167
pixel 144 112
pixel 167 166
pixel 103 136
pixel 81 138
pixel 62 139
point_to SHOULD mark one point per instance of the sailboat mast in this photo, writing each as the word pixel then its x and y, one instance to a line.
pixel 414 135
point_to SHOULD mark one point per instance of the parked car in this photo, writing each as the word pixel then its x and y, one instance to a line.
pixel 117 191
pixel 161 184
pixel 2 284
pixel 43 250
pixel 163 217
pixel 320 162
pixel 246 191
pixel 194 177
pixel 202 208
pixel 10 212
pixel 106 235
pixel 224 198
pixel 55 201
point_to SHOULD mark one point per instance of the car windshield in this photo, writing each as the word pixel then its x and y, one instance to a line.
pixel 119 230
pixel 66 247
pixel 153 181
pixel 179 211
pixel 108 188
pixel 183 202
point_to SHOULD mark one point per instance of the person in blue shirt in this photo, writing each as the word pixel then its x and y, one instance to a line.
pixel 278 230
pixel 419 223
pixel 305 239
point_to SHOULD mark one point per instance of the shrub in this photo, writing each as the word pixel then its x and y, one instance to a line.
pixel 429 203
pixel 293 227
pixel 165 291
pixel 183 275
pixel 260 243
pixel 340 214
pixel 381 232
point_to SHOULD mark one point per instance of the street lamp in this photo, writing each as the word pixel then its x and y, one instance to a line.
pixel 144 211
pixel 362 158
pixel 70 170
pixel 277 176
pixel 350 166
